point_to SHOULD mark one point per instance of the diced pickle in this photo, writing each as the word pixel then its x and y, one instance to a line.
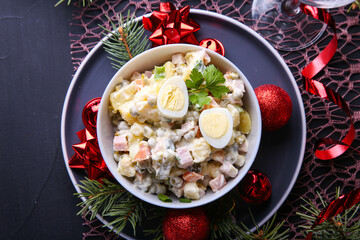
pixel 245 122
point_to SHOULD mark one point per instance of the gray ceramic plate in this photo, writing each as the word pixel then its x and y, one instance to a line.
pixel 280 154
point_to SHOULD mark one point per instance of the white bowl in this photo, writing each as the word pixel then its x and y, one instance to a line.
pixel 146 61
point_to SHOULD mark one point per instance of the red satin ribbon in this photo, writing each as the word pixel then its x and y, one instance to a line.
pixel 335 207
pixel 319 89
pixel 171 26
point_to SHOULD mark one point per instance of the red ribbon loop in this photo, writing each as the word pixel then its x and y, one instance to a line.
pixel 317 88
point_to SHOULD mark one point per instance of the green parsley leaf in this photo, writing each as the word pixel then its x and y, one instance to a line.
pixel 213 76
pixel 203 99
pixel 196 79
pixel 193 98
pixel 199 90
pixel 218 91
pixel 200 98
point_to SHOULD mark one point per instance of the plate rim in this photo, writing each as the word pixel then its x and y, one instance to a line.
pixel 226 19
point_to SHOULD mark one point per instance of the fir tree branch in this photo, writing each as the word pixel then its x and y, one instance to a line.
pixel 222 221
pixel 267 232
pixel 157 214
pixel 338 227
pixel 129 210
pixel 126 41
pixel 100 198
pixel 111 199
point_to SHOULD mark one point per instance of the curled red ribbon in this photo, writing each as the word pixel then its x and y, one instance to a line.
pixel 171 26
pixel 335 207
pixel 319 89
pixel 87 153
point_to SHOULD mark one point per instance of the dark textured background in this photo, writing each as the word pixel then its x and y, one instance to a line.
pixel 36 67
pixel 36 194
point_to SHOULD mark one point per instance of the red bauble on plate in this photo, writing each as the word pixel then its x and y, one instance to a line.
pixel 255 187
pixel 186 224
pixel 275 106
pixel 213 44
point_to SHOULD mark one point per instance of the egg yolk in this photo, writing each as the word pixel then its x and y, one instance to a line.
pixel 215 125
pixel 172 98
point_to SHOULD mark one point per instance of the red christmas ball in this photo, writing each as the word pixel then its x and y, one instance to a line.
pixel 213 44
pixel 186 224
pixel 275 106
pixel 255 187
pixel 89 115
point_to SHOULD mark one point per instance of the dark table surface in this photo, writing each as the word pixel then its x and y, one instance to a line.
pixel 35 72
pixel 36 193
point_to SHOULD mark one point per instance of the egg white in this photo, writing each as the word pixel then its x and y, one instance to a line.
pixel 225 139
pixel 178 82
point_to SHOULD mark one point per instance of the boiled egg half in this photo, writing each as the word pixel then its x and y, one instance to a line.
pixel 216 126
pixel 173 98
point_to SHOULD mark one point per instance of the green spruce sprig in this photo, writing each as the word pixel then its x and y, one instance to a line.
pixel 110 199
pixel 156 214
pixel 126 41
pixel 222 215
pixel 224 225
pixel 341 226
pixel 129 210
pixel 69 2
pixel 267 232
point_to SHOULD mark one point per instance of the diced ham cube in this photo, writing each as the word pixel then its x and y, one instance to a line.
pixel 192 177
pixel 217 183
pixel 218 156
pixel 228 169
pixel 120 143
pixel 143 153
pixel 185 158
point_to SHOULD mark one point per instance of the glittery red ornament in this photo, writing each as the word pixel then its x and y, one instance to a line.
pixel 89 115
pixel 213 44
pixel 255 187
pixel 275 106
pixel 186 224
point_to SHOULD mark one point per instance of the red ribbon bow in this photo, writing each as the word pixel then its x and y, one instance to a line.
pixel 171 26
pixel 87 153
